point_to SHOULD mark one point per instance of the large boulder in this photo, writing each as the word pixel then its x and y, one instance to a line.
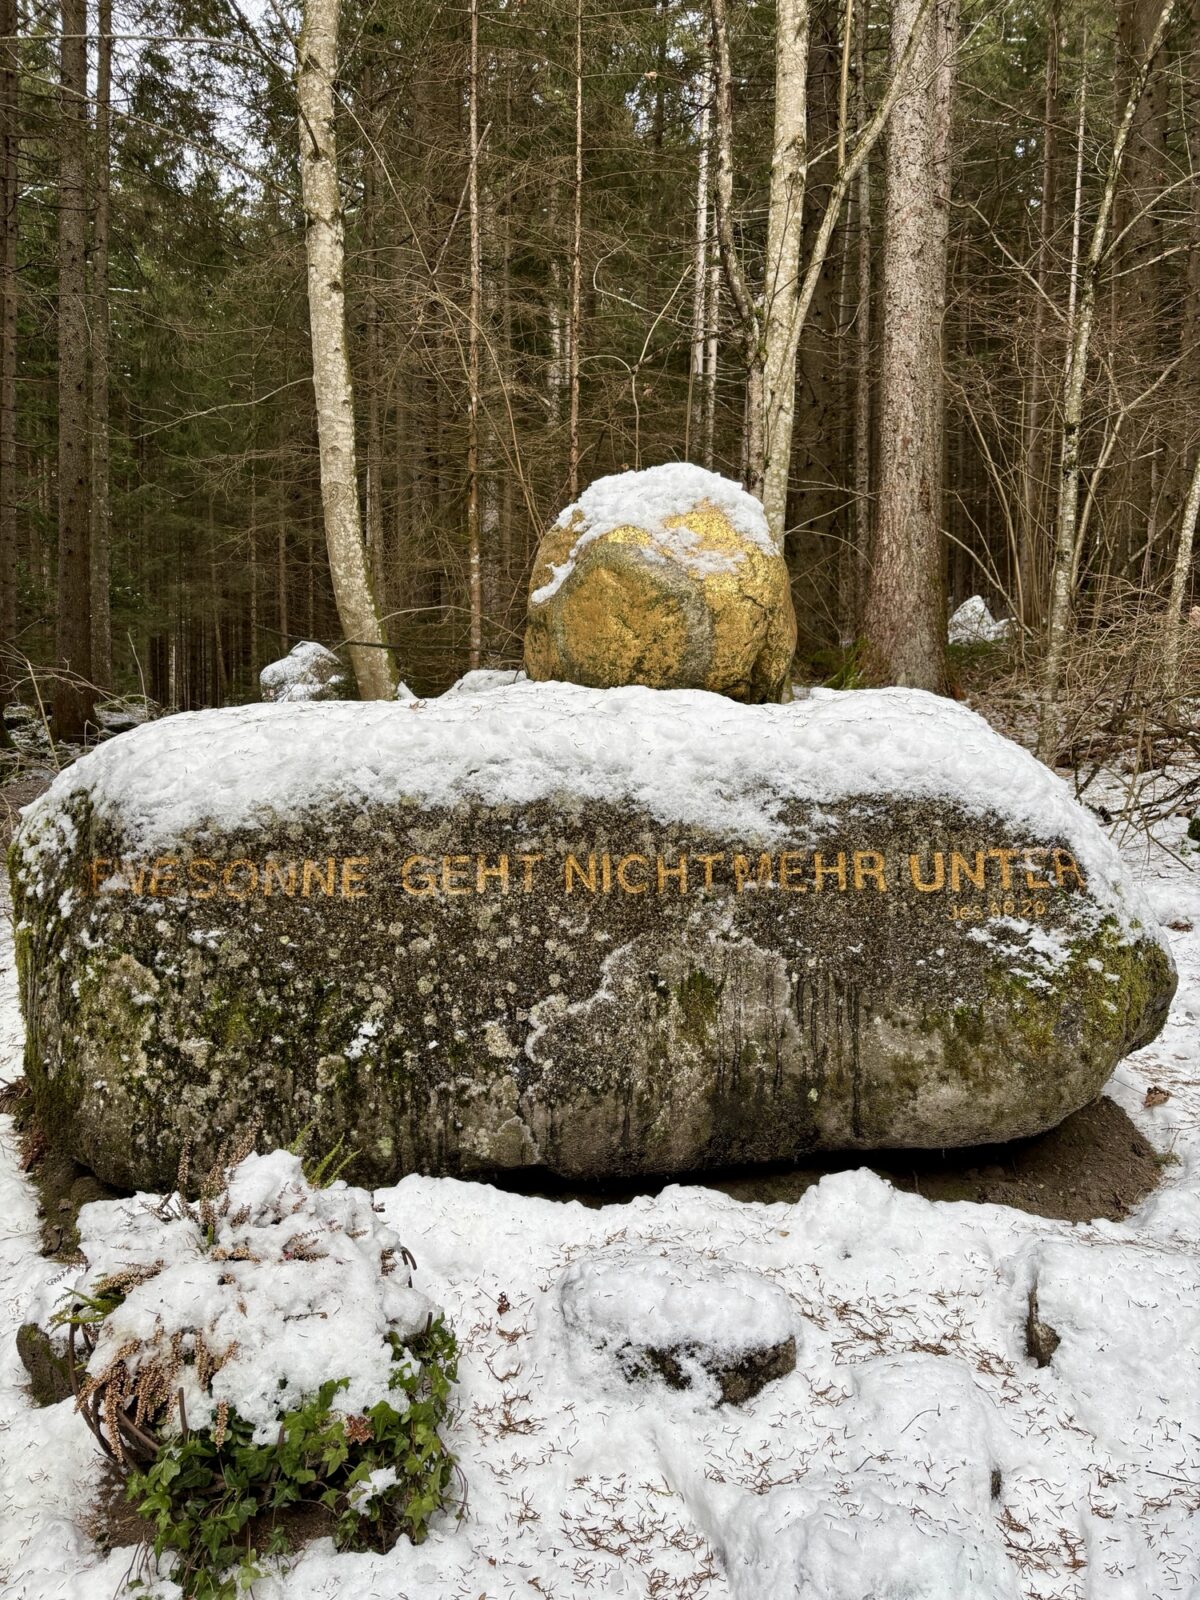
pixel 600 932
pixel 668 578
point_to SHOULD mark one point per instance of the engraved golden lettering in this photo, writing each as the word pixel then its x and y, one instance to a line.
pixel 622 878
pixel 281 873
pixel 426 883
pixel 1032 881
pixel 96 875
pixel 572 870
pixel 761 873
pixel 791 865
pixel 483 872
pixel 679 873
pixel 454 868
pixel 709 862
pixel 202 879
pixel 959 869
pixel 1064 863
pixel 162 874
pixel 528 862
pixel 821 871
pixel 321 875
pixel 939 873
pixel 870 864
pixel 1005 858
pixel 229 874
pixel 352 875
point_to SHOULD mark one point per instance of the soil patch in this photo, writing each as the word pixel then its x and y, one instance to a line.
pixel 1094 1164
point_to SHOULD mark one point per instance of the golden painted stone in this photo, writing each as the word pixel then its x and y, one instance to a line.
pixel 669 578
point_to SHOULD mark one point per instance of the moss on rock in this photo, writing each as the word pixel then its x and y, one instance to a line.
pixel 566 984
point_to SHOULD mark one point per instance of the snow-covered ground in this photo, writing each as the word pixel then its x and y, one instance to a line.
pixel 915 1453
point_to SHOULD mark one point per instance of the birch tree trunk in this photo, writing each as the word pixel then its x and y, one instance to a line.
pixel 780 319
pixel 1030 565
pixel 573 331
pixel 73 697
pixel 325 249
pixel 863 332
pixel 1062 575
pixel 905 622
pixel 9 135
pixel 696 371
pixel 1179 581
pixel 475 312
pixel 739 289
pixel 101 510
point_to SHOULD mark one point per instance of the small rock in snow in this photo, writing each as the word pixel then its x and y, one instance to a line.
pixel 685 1318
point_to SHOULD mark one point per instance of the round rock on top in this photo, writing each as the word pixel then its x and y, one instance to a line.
pixel 669 578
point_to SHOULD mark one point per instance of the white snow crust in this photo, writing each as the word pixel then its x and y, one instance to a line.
pixel 679 755
pixel 281 1324
pixel 673 1301
pixel 916 1452
pixel 649 499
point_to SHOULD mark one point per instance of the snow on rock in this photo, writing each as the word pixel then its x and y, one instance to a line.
pixel 649 500
pixel 682 756
pixel 308 672
pixel 293 1287
pixel 683 1315
pixel 973 623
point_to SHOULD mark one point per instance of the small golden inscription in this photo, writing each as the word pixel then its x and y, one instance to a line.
pixel 1009 881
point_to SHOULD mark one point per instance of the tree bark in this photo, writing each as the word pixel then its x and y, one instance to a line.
pixel 696 372
pixel 905 622
pixel 1176 622
pixel 1030 563
pixel 785 221
pixel 9 144
pixel 101 510
pixel 475 312
pixel 325 248
pixel 863 332
pixel 573 330
pixel 1062 585
pixel 73 696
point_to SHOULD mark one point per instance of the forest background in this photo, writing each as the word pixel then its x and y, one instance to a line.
pixel 567 224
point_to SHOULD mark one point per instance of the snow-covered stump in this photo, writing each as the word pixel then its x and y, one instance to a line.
pixel 602 932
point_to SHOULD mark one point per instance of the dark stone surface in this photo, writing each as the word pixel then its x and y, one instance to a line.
pixel 738 1379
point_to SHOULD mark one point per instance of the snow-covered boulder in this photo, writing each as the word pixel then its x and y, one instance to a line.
pixel 481 679
pixel 126 711
pixel 973 623
pixel 668 577
pixel 308 672
pixel 601 932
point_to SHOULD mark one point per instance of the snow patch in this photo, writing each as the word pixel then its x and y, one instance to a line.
pixel 649 499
